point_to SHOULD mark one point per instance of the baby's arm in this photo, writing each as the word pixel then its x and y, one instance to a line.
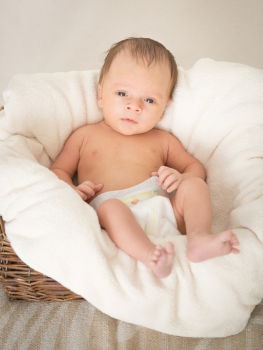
pixel 179 165
pixel 67 161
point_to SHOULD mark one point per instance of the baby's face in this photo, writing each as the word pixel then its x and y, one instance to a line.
pixel 132 96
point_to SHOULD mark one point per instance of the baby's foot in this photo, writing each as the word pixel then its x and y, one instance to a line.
pixel 161 261
pixel 209 246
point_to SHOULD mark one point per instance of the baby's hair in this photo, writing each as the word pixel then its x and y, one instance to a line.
pixel 145 49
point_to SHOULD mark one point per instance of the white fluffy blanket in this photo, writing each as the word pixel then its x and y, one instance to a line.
pixel 218 115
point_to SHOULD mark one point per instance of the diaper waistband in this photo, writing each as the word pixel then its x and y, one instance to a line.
pixel 131 195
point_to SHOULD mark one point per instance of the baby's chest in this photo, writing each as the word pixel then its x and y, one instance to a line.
pixel 145 152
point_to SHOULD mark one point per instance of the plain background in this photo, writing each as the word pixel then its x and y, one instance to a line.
pixel 64 35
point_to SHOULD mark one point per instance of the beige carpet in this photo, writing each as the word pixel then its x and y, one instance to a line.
pixel 77 325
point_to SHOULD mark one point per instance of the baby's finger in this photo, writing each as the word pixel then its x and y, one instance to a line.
pixel 88 183
pixel 87 189
pixel 164 174
pixel 98 187
pixel 82 195
pixel 155 173
pixel 169 181
pixel 173 187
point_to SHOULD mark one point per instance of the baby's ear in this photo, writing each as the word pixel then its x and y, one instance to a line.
pixel 99 96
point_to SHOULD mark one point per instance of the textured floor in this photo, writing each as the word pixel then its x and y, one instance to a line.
pixel 77 325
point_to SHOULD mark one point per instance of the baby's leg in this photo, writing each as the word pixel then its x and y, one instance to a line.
pixel 119 222
pixel 192 207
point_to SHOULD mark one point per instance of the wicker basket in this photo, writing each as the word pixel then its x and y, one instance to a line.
pixel 22 282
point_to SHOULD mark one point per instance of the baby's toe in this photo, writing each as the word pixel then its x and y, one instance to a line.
pixel 235 250
pixel 158 251
pixel 235 240
pixel 169 248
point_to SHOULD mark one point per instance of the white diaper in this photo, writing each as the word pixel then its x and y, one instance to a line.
pixel 132 195
pixel 149 203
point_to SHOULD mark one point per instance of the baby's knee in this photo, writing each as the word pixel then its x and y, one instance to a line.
pixel 109 209
pixel 109 205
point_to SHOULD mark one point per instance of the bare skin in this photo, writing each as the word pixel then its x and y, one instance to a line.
pixel 125 149
pixel 193 211
pixel 191 202
pixel 159 259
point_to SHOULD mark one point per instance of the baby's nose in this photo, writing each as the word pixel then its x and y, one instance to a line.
pixel 134 106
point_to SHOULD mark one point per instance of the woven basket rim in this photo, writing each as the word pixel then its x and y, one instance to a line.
pixel 24 283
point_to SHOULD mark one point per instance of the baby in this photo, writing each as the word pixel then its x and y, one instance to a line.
pixel 125 152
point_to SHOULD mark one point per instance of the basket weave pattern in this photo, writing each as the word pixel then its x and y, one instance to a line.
pixel 22 282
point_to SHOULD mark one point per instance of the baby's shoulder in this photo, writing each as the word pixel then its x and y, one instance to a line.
pixel 78 136
pixel 84 130
pixel 165 135
pixel 168 140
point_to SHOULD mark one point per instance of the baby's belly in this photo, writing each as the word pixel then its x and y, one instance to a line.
pixel 117 179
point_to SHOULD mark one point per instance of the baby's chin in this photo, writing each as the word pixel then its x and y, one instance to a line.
pixel 129 130
pixel 130 133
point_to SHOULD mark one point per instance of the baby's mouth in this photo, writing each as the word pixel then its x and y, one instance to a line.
pixel 129 120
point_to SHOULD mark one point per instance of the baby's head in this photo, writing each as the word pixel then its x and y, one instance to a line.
pixel 144 50
pixel 136 84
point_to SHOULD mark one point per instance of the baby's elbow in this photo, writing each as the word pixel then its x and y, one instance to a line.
pixel 56 171
pixel 201 170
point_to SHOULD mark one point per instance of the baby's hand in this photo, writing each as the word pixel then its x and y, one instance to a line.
pixel 168 178
pixel 88 189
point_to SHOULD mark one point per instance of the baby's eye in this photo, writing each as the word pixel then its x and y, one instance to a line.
pixel 149 100
pixel 121 93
